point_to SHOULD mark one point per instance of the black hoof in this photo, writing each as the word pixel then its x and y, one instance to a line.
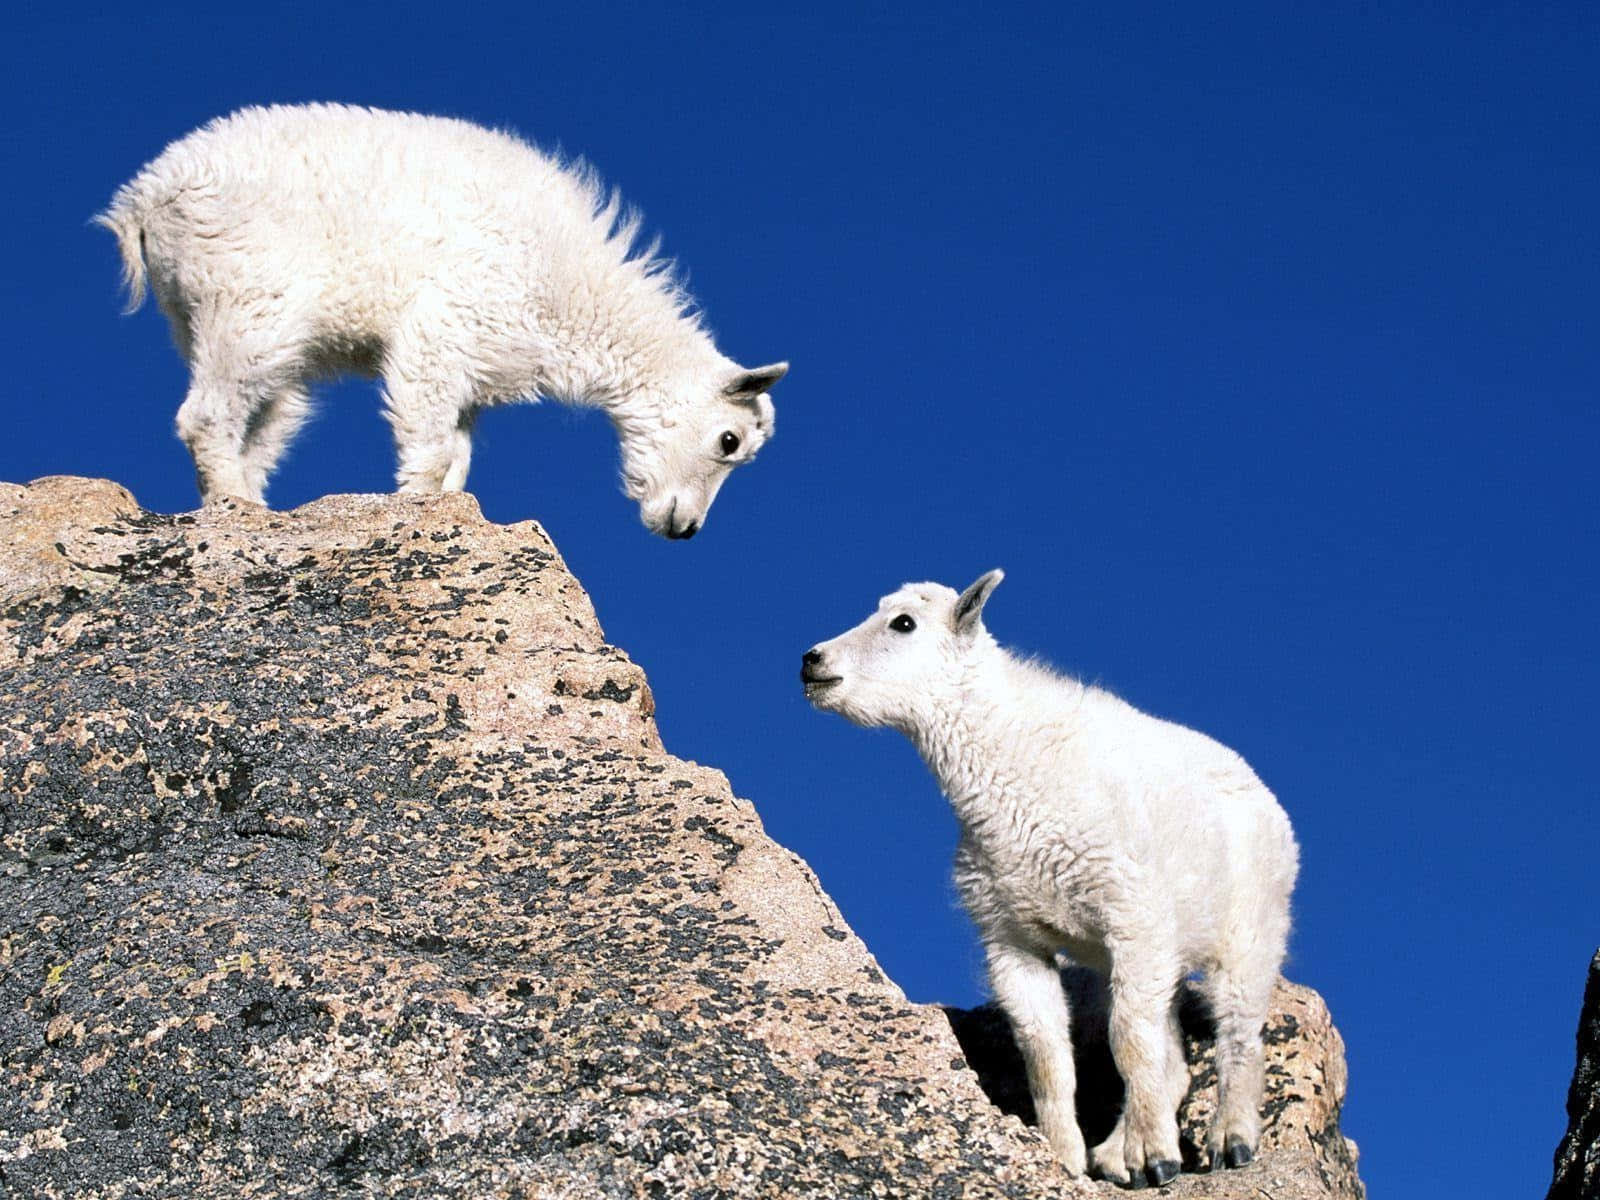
pixel 1237 1152
pixel 1162 1172
pixel 1135 1181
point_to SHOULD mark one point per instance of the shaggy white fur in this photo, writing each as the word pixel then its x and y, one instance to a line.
pixel 464 266
pixel 1133 845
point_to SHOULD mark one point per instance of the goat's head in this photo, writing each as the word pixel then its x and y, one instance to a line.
pixel 675 461
pixel 909 654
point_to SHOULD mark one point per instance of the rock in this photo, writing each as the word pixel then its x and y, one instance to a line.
pixel 1577 1167
pixel 1302 1153
pixel 339 850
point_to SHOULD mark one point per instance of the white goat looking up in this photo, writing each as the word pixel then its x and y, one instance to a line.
pixel 468 269
pixel 1136 847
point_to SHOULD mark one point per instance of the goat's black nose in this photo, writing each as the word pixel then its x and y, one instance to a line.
pixel 689 530
pixel 811 657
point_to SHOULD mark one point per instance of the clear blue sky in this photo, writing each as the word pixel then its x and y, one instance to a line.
pixel 1260 350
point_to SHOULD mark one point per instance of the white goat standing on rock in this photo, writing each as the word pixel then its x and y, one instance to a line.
pixel 1135 846
pixel 468 269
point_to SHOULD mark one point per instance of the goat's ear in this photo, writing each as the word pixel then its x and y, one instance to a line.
pixel 747 385
pixel 971 601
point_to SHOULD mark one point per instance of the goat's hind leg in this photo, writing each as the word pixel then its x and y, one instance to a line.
pixel 270 431
pixel 238 370
pixel 1239 1000
pixel 205 425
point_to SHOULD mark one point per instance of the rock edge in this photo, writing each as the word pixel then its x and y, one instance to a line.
pixel 341 851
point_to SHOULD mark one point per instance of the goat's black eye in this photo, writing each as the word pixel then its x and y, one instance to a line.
pixel 730 442
pixel 902 624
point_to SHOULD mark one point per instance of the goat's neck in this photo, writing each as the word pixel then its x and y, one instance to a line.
pixel 970 743
pixel 624 348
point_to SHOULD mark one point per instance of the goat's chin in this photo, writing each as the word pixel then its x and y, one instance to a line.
pixel 832 699
pixel 822 694
pixel 828 695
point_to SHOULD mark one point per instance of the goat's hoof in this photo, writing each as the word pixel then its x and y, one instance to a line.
pixel 1237 1152
pixel 1162 1171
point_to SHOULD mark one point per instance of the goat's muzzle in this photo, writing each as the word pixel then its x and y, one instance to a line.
pixel 812 672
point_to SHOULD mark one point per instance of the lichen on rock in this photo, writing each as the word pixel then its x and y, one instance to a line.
pixel 339 849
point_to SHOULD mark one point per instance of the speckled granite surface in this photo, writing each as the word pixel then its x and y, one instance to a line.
pixel 339 855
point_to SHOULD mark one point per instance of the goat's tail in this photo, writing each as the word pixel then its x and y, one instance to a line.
pixel 122 219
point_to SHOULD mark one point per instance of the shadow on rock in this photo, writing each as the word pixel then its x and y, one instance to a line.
pixel 991 1051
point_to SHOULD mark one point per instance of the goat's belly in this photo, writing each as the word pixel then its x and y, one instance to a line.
pixel 352 328
pixel 335 350
pixel 1091 954
pixel 1064 929
pixel 362 299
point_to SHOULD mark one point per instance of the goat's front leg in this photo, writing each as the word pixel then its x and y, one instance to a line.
pixel 1028 988
pixel 434 444
pixel 430 402
pixel 1149 1057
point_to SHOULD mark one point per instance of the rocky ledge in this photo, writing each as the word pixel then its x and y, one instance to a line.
pixel 339 850
pixel 1577 1168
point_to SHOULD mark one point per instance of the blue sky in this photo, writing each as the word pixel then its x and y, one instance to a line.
pixel 1259 349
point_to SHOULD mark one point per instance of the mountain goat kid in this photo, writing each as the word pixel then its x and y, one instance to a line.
pixel 1135 846
pixel 468 269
